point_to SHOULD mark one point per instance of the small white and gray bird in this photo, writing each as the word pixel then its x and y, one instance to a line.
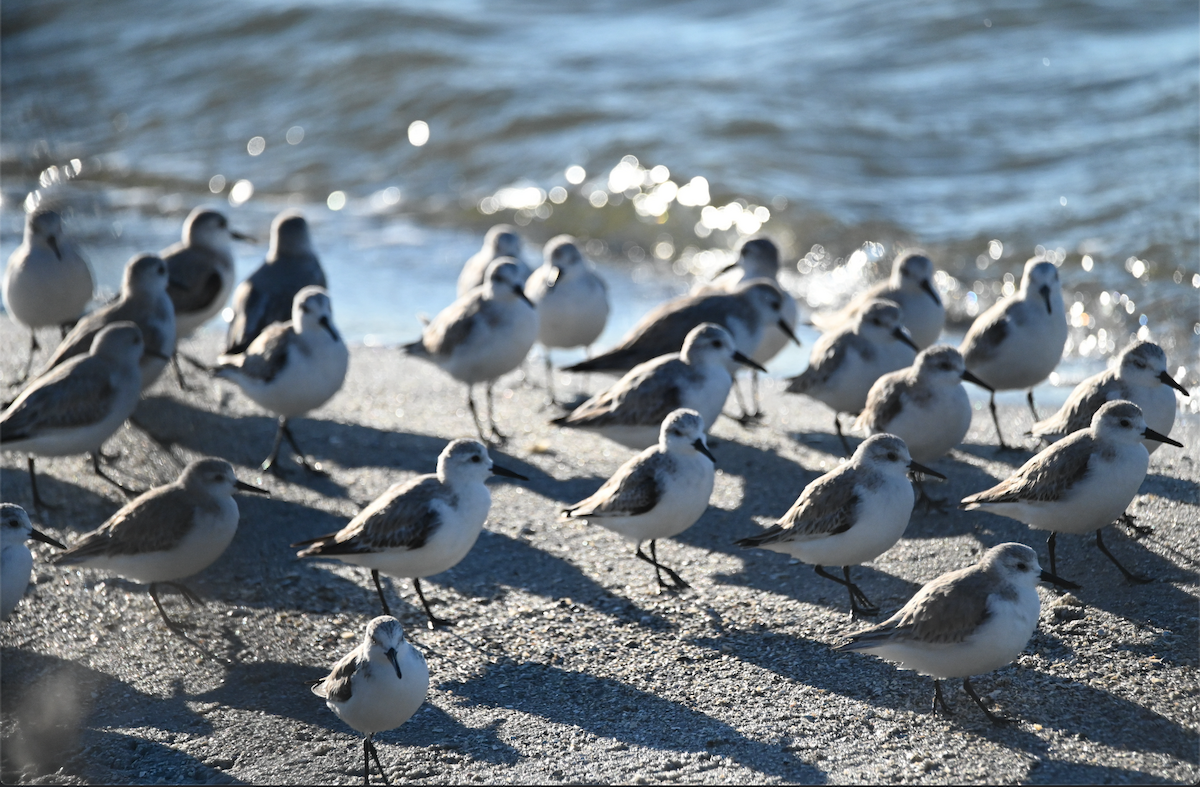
pixel 659 493
pixel 631 412
pixel 420 527
pixel 143 301
pixel 501 240
pixel 850 515
pixel 1018 341
pixel 77 405
pixel 571 299
pixel 201 270
pixel 745 313
pixel 1140 377
pixel 965 622
pixel 16 561
pixel 1081 483
pixel 846 362
pixel 47 281
pixel 266 297
pixel 292 367
pixel 925 404
pixel 912 288
pixel 482 335
pixel 168 533
pixel 377 686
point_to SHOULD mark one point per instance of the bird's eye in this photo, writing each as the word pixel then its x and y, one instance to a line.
pixel 1124 422
pixel 1022 567
pixel 1139 364
pixel 477 459
pixel 892 456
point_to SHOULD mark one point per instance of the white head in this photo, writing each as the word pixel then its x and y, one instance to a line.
pixel 912 272
pixel 682 431
pixel 1145 364
pixel 15 528
pixel 943 366
pixel 1039 282
pixel 502 240
pixel 213 477
pixel 384 640
pixel 289 236
pixel 759 258
pixel 886 453
pixel 312 311
pixel 710 343
pixel 1014 563
pixel 503 282
pixel 120 342
pixel 1122 422
pixel 766 298
pixel 881 321
pixel 562 257
pixel 467 461
pixel 43 229
pixel 145 273
pixel 209 229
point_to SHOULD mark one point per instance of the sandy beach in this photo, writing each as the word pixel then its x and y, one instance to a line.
pixel 566 665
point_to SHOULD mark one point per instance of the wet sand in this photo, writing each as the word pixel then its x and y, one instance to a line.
pixel 566 665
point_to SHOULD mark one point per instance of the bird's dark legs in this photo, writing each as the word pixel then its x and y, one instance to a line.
pixel 491 406
pixel 1129 575
pixel 859 603
pixel 1032 409
pixel 550 378
pixel 475 414
pixel 996 420
pixel 178 372
pixel 271 463
pixel 434 620
pixel 991 716
pixel 33 348
pixel 938 699
pixel 37 499
pixel 174 627
pixel 1050 546
pixel 96 467
pixel 379 587
pixel 367 760
pixel 652 559
pixel 837 423
pixel 927 501
pixel 291 438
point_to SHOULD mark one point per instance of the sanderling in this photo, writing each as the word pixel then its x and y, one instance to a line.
pixel 144 301
pixel 76 406
pixel 47 282
pixel 1140 377
pixel 845 363
pixel 571 300
pixel 1081 483
pixel 420 527
pixel 1019 340
pixel 362 691
pixel 201 269
pixel 925 404
pixel 266 297
pixel 745 313
pixel 291 367
pixel 501 240
pixel 850 515
pixel 171 532
pixel 631 412
pixel 482 335
pixel 659 493
pixel 758 258
pixel 911 287
pixel 16 561
pixel 965 622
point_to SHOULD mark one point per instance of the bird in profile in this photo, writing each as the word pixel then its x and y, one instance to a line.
pixel 47 281
pixel 500 241
pixel 377 686
pixel 16 561
pixel 482 335
pixel 420 527
pixel 965 622
pixel 292 367
pixel 911 287
pixel 1018 341
pixel 266 297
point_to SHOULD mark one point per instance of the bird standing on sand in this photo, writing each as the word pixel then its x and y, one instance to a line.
pixel 911 287
pixel 16 561
pixel 47 282
pixel 501 240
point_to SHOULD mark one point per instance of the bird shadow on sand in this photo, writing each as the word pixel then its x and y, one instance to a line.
pixel 1182 490
pixel 608 708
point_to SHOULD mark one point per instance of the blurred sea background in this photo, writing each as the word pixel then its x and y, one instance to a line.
pixel 659 133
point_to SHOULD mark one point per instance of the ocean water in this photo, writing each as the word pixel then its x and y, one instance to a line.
pixel 660 133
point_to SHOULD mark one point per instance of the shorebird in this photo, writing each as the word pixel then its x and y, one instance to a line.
pixel 482 335
pixel 167 534
pixel 1140 377
pixel 266 297
pixel 420 527
pixel 657 494
pixel 76 406
pixel 377 686
pixel 965 622
pixel 631 412
pixel 925 404
pixel 571 300
pixel 911 287
pixel 1019 340
pixel 16 561
pixel 845 363
pixel 47 282
pixel 501 240
pixel 758 258
pixel 143 301
pixel 1081 483
pixel 745 313
pixel 850 515
pixel 291 367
